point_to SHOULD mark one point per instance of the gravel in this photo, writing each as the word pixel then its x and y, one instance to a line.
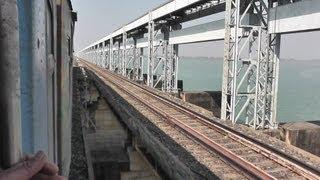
pixel 78 167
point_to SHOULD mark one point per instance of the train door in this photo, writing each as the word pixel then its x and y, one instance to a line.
pixel 70 64
pixel 51 88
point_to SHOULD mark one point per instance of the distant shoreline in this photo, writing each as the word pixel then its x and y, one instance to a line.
pixel 221 58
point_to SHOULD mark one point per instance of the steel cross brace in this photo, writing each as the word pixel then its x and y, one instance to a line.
pixel 162 55
pixel 151 29
pixel 124 54
pixel 250 78
pixel 111 55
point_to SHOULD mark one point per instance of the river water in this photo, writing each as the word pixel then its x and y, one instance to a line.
pixel 299 89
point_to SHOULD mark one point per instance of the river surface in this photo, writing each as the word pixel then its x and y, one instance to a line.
pixel 299 90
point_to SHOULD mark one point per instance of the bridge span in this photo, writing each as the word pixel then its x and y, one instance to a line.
pixel 188 143
pixel 251 31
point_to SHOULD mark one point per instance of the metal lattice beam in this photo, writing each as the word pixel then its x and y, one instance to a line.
pixel 151 57
pixel 249 77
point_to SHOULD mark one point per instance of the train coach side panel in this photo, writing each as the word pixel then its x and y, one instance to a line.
pixel 64 66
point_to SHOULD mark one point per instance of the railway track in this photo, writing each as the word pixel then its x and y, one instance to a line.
pixel 250 157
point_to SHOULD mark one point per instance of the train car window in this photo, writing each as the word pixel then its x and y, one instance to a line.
pixel 49 29
pixel 69 47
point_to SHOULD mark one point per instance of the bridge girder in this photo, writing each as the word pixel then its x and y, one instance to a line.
pixel 250 79
pixel 252 47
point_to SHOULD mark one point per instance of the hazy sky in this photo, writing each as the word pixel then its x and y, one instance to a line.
pixel 98 18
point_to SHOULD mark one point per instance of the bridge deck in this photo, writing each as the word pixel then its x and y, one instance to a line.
pixel 225 150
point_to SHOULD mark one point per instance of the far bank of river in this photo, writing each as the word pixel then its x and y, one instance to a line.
pixel 299 90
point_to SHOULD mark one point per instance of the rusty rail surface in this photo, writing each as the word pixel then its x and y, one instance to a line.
pixel 256 159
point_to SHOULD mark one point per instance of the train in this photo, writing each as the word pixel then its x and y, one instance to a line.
pixel 36 77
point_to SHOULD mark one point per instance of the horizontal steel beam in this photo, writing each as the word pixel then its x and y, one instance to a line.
pixel 211 31
pixel 295 17
pixel 290 18
pixel 164 10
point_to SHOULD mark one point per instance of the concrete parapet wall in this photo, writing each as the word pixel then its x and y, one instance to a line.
pixel 210 100
pixel 304 135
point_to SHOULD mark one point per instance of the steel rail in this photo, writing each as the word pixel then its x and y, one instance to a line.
pixel 283 159
pixel 240 163
pixel 272 153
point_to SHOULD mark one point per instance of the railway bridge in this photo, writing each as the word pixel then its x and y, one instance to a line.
pixel 182 139
pixel 251 31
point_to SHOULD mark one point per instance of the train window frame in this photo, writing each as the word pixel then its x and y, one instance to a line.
pixel 69 46
pixel 51 18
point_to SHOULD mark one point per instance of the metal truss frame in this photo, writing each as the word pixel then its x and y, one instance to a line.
pixel 124 54
pixel 169 74
pixel 162 55
pixel 117 56
pixel 151 36
pixel 111 55
pixel 250 80
pixel 171 69
pixel 101 56
pixel 135 62
pixel 106 56
pixel 129 57
pixel 138 74
pixel 96 56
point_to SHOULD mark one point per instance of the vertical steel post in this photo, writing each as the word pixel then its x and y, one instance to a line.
pixel 174 68
pixel 150 51
pixel 249 79
pixel 135 60
pixel 111 63
pixel 96 54
pixel 101 54
pixel 141 64
pixel 118 58
pixel 105 54
pixel 274 53
pixel 124 54
pixel 167 59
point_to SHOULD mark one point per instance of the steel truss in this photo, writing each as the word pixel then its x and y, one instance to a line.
pixel 151 36
pixel 101 56
pixel 161 54
pixel 106 56
pixel 132 65
pixel 138 64
pixel 124 54
pixel 111 66
pixel 117 56
pixel 135 62
pixel 251 65
pixel 170 67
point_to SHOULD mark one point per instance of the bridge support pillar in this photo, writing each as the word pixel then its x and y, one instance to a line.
pixel 101 55
pixel 165 57
pixel 135 64
pixel 151 57
pixel 117 58
pixel 93 56
pixel 139 66
pixel 170 64
pixel 96 55
pixel 124 54
pixel 111 55
pixel 105 55
pixel 135 60
pixel 250 79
